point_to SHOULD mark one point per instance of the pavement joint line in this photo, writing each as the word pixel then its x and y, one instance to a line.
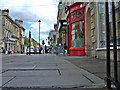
pixel 88 78
pixel 34 66
pixel 59 72
pixel 7 81
pixel 28 69
pixel 4 71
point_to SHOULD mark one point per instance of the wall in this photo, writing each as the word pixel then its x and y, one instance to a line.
pixel 88 41
pixel 90 29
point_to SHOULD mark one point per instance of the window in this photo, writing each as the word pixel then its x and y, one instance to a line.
pixel 101 25
pixel 102 28
pixel 77 34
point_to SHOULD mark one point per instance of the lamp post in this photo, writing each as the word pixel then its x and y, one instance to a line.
pixel 29 42
pixel 39 36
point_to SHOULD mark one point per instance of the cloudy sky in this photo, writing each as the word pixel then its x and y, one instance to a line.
pixel 30 11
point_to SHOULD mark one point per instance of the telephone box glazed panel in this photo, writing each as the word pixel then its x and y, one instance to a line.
pixel 76 29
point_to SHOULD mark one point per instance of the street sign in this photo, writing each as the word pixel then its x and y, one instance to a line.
pixel 61 6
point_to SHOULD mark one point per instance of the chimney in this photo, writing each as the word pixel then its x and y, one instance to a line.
pixel 20 22
pixel 5 11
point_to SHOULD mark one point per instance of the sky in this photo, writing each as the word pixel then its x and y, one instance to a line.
pixel 30 11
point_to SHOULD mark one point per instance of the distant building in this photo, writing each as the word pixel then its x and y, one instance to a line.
pixel 33 43
pixel 52 40
pixel 57 33
pixel 11 33
pixel 62 23
pixel 22 33
pixel 52 37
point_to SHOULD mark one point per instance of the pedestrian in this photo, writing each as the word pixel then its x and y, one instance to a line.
pixel 2 50
pixel 42 51
pixel 45 49
pixel 26 52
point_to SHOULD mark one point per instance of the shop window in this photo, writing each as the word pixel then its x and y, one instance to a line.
pixel 77 34
pixel 102 26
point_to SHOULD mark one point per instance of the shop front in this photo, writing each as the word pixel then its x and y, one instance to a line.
pixel 75 30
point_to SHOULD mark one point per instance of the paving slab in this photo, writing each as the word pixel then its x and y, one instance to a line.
pixel 5 80
pixel 31 73
pixel 46 71
pixel 48 82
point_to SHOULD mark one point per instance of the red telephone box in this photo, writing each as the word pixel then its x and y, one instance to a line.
pixel 75 29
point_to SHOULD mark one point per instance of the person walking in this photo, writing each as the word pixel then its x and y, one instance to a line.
pixel 45 49
pixel 2 50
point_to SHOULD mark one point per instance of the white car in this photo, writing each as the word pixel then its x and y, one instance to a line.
pixel 31 50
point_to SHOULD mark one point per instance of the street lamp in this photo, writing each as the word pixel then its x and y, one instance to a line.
pixel 39 36
pixel 29 41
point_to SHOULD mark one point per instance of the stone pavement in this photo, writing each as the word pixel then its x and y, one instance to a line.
pixel 46 71
pixel 92 65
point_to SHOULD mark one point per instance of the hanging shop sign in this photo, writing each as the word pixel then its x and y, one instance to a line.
pixel 61 6
pixel 77 14
pixel 76 8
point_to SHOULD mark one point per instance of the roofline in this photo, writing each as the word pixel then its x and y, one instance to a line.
pixel 13 21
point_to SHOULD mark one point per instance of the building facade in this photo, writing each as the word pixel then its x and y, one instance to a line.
pixel 95 31
pixel 57 33
pixel 94 28
pixel 11 36
pixel 52 41
pixel 61 23
pixel 76 29
pixel 22 34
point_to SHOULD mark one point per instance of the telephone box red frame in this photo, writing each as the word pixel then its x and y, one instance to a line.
pixel 74 51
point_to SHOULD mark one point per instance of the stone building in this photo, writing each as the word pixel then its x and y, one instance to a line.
pixel 12 33
pixel 52 40
pixel 22 33
pixel 62 23
pixel 95 32
pixel 61 18
pixel 57 33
